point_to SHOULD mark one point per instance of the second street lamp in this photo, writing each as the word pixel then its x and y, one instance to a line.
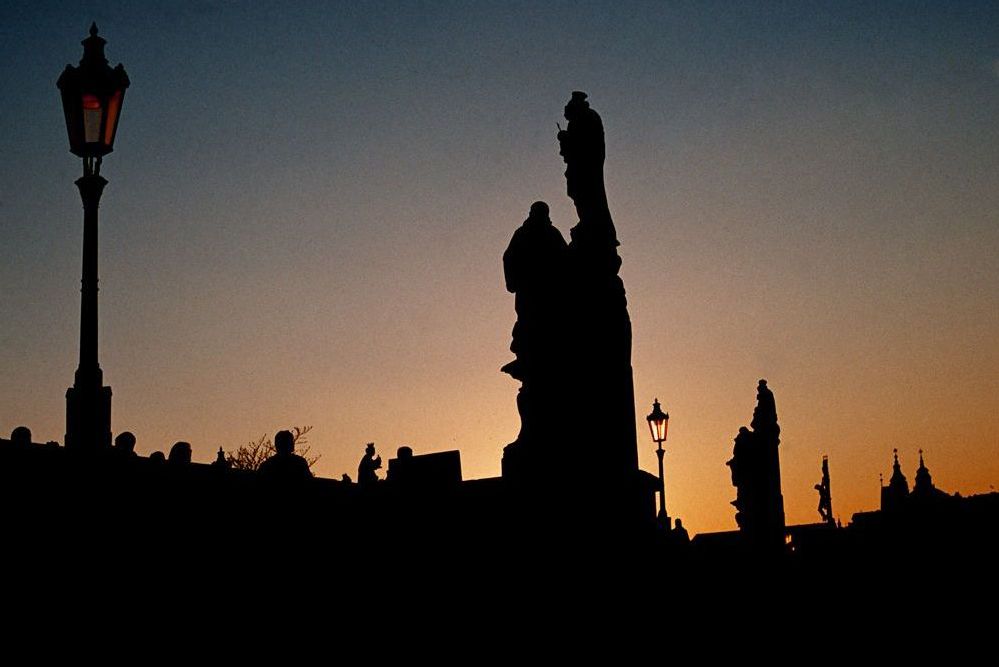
pixel 92 95
pixel 658 425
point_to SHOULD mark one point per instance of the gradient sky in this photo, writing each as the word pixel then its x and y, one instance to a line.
pixel 308 205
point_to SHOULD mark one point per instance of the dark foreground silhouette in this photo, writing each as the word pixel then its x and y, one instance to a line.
pixel 571 513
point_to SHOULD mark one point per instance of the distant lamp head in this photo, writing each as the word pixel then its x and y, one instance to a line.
pixel 658 423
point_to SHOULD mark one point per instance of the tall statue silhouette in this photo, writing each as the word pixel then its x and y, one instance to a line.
pixel 366 475
pixel 578 443
pixel 534 267
pixel 755 468
pixel 825 494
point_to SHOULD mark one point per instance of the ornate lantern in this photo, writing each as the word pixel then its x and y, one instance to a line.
pixel 658 423
pixel 92 95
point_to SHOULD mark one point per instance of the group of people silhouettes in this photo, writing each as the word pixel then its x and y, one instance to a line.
pixel 283 465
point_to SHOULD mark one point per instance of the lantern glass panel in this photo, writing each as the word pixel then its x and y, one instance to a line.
pixel 114 107
pixel 91 119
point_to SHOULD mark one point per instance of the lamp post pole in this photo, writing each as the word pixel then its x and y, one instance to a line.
pixel 88 401
pixel 92 95
pixel 91 187
pixel 663 517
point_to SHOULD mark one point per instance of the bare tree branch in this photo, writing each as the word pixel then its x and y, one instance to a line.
pixel 254 453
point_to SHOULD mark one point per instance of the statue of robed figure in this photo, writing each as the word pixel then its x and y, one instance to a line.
pixel 577 446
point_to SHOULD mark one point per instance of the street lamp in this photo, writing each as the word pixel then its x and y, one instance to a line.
pixel 658 425
pixel 92 96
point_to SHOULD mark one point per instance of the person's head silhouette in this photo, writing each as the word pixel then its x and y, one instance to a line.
pixel 21 436
pixel 284 443
pixel 180 453
pixel 125 443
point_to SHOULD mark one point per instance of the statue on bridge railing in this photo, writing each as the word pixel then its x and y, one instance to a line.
pixel 573 341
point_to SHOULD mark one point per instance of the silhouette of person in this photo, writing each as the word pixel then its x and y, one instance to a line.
pixel 180 453
pixel 285 465
pixel 157 457
pixel 124 444
pixel 20 437
pixel 366 474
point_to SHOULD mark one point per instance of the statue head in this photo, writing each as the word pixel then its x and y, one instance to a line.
pixel 539 212
pixel 576 105
pixel 284 442
pixel 370 449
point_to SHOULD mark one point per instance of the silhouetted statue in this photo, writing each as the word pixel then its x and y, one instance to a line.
pixel 180 453
pixel 755 468
pixel 741 468
pixel 157 457
pixel 825 494
pixel 581 145
pixel 285 465
pixel 573 346
pixel 124 444
pixel 534 268
pixel 366 475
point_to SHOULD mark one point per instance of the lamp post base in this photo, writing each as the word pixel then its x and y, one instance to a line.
pixel 88 418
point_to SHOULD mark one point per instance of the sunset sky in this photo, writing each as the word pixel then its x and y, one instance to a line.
pixel 308 205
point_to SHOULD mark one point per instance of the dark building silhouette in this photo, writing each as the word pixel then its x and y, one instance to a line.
pixel 924 489
pixel 896 497
pixel 436 470
pixel 928 525
pixel 755 468
pixel 897 491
